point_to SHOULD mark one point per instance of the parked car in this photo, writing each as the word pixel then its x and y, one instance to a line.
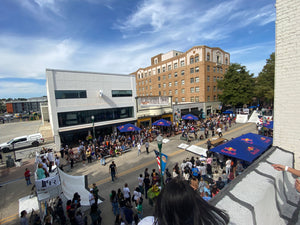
pixel 22 142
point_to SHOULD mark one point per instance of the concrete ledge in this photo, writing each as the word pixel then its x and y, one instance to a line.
pixel 262 195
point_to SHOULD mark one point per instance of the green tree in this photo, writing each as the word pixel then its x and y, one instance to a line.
pixel 264 85
pixel 237 86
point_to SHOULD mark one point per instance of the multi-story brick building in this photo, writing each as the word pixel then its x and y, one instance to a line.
pixel 189 76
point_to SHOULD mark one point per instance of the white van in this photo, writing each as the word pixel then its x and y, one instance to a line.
pixel 22 142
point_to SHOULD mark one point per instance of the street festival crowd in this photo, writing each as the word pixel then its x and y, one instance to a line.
pixel 205 175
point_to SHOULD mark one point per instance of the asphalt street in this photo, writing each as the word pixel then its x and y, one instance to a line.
pixel 129 166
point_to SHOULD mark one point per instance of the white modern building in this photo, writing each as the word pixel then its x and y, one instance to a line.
pixel 88 103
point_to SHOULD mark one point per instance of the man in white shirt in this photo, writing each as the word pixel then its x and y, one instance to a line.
pixel 139 148
pixel 126 192
pixel 91 197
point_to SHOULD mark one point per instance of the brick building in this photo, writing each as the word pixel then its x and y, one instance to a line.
pixel 189 76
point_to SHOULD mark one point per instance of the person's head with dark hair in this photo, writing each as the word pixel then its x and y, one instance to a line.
pixel 179 204
pixel 23 213
pixel 69 202
pixel 113 195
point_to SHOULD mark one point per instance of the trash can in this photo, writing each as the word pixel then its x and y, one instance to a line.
pixel 9 162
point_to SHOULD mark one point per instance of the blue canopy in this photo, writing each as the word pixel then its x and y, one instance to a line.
pixel 269 125
pixel 190 117
pixel 246 147
pixel 162 122
pixel 252 107
pixel 128 127
pixel 228 112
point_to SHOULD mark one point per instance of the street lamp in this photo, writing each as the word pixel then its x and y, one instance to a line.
pixel 93 120
pixel 159 144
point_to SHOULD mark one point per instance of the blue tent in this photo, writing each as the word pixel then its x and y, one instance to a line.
pixel 162 122
pixel 228 112
pixel 246 147
pixel 128 127
pixel 190 117
pixel 269 125
pixel 255 139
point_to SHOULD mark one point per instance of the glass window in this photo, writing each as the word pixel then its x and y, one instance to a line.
pixel 175 65
pixel 164 85
pixel 142 82
pixel 121 93
pixel 182 82
pixel 64 94
pixel 164 69
pixel 197 79
pixel 175 83
pixel 150 87
pixel 158 70
pixel 226 61
pixel 146 82
pixel 170 92
pixel 182 72
pixel 183 99
pixel 169 76
pixel 145 74
pixel 170 84
pixel 207 57
pixel 158 78
pixel 165 93
pixel 197 89
pixel 191 70
pixel 159 93
pixel 197 58
pixel 208 98
pixel 192 80
pixel 218 69
pixel 175 74
pixel 66 119
pixel 191 60
pixel 150 80
pixel 182 91
pixel 176 92
pixel 192 90
pixel 197 69
pixel 192 99
pixel 182 63
pixel 197 99
pixel 164 77
pixel 215 88
pixel 176 99
pixel 208 88
pixel 215 98
pixel 214 79
pixel 208 68
pixel 218 59
pixel 149 73
pixel 214 69
pixel 221 70
pixel 158 85
pixel 217 78
pixel 169 67
pixel 207 78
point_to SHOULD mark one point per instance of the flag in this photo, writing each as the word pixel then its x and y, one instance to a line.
pixel 163 161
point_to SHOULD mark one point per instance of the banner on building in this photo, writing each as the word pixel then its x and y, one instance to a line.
pixel 153 101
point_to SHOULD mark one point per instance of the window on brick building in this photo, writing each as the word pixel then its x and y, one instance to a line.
pixel 191 60
pixel 182 72
pixel 197 80
pixel 175 65
pixel 192 90
pixel 182 82
pixel 197 58
pixel 191 80
pixel 191 70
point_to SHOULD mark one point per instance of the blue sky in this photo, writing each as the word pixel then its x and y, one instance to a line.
pixel 120 36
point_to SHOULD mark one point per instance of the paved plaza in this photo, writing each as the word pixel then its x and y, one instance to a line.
pixel 129 166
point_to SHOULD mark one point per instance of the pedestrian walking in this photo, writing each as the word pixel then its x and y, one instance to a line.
pixel 139 148
pixel 113 170
pixel 24 220
pixel 27 176
pixel 208 144
pixel 147 146
pixel 95 192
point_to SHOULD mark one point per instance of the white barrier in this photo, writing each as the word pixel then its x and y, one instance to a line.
pixel 241 118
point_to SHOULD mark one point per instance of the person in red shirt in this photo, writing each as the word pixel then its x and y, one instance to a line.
pixel 27 176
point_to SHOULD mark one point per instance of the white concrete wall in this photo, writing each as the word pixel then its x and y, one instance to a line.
pixel 287 78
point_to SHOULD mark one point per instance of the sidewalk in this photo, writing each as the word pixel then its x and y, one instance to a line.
pixel 15 173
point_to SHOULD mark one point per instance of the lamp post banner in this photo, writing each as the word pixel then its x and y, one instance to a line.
pixel 164 159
